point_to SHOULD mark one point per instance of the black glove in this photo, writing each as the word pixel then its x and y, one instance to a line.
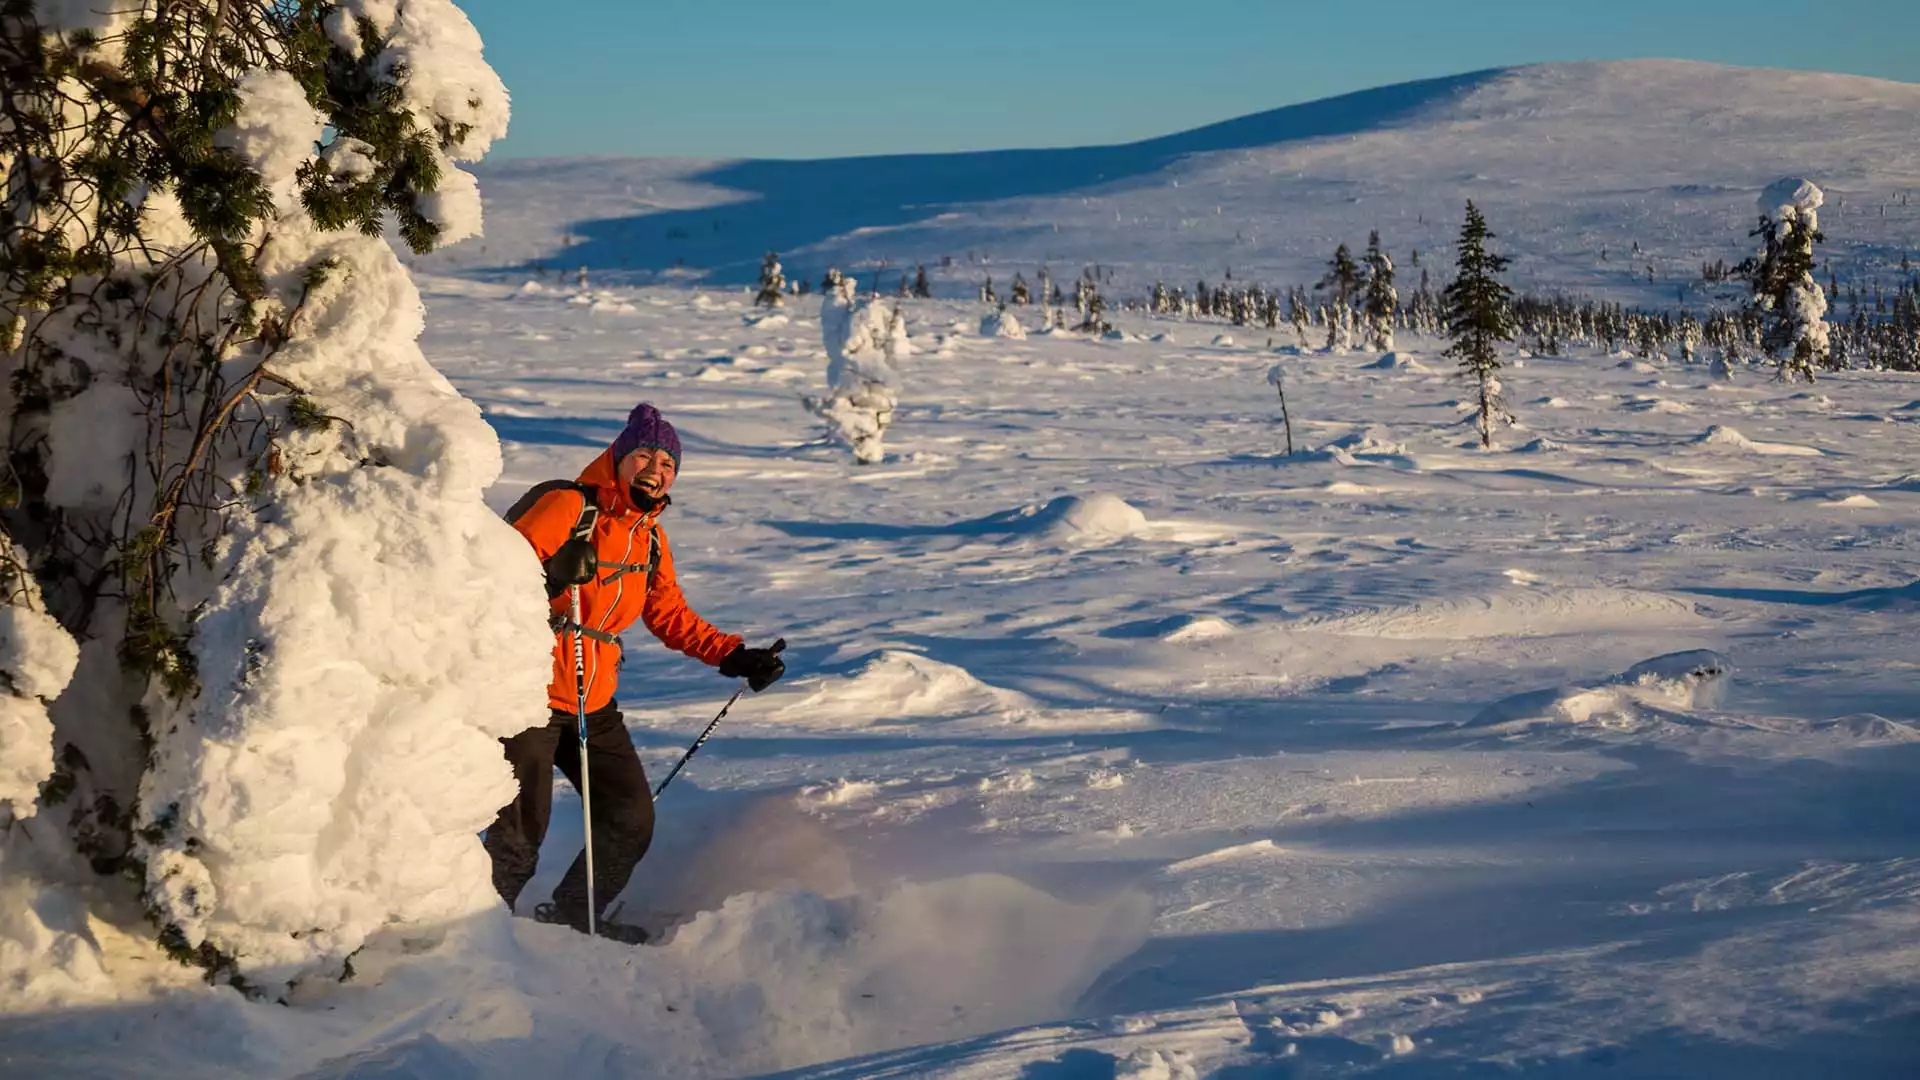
pixel 760 667
pixel 574 564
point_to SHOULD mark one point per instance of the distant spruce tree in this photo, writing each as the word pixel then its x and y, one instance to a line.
pixel 921 289
pixel 1479 317
pixel 1382 303
pixel 1343 276
pixel 773 282
pixel 1021 297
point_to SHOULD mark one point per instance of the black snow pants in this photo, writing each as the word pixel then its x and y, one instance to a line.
pixel 622 810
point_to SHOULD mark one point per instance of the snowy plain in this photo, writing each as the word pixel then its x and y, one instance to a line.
pixel 1330 765
pixel 1118 743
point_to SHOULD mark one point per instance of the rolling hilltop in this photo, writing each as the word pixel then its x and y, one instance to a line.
pixel 1575 164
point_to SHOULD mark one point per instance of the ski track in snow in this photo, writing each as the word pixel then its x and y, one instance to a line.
pixel 1332 765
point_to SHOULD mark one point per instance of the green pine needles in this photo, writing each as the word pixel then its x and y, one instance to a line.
pixel 1479 317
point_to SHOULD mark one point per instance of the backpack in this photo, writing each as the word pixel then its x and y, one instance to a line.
pixel 583 527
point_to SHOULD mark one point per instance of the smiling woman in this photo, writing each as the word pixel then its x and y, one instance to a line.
pixel 764 78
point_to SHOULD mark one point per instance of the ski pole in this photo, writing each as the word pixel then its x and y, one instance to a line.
pixel 691 750
pixel 704 735
pixel 586 776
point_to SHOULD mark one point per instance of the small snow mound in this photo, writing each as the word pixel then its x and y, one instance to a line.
pixel 1094 518
pixel 1554 403
pixel 1223 341
pixel 1163 339
pixel 1146 1063
pixel 839 793
pixel 1870 728
pixel 1002 324
pixel 772 321
pixel 1395 361
pixel 530 288
pixel 1199 628
pixel 1857 502
pixel 1721 435
pixel 1116 335
pixel 1664 688
pixel 897 684
pixel 1368 441
pixel 1541 445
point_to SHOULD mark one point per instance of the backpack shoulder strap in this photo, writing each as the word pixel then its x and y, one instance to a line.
pixel 589 508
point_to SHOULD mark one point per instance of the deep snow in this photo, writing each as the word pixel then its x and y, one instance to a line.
pixel 1119 743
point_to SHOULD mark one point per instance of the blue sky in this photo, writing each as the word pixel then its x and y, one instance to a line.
pixel 791 78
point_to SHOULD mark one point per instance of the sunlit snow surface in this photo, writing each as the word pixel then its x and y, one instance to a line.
pixel 1117 743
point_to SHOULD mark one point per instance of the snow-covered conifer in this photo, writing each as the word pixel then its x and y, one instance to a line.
pixel 1339 327
pixel 1479 318
pixel 1785 293
pixel 1342 276
pixel 773 283
pixel 921 288
pixel 987 295
pixel 1021 296
pixel 1382 304
pixel 244 482
pixel 862 338
pixel 1002 324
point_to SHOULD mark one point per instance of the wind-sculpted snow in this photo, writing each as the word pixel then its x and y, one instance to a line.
pixel 1201 796
pixel 1519 613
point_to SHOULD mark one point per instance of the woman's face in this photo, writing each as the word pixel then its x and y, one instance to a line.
pixel 647 471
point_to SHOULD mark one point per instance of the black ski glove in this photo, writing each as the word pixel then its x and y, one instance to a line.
pixel 760 667
pixel 574 564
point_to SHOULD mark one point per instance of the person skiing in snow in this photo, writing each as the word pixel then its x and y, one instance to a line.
pixel 602 533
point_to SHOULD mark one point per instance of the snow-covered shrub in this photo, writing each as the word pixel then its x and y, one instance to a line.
pixel 1002 324
pixel 259 507
pixel 1788 298
pixel 863 338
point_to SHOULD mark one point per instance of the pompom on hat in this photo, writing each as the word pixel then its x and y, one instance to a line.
pixel 646 430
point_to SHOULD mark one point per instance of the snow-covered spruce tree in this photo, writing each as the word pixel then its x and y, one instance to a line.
pixel 1021 296
pixel 773 283
pixel 1340 327
pixel 922 289
pixel 1785 293
pixel 1381 305
pixel 238 484
pixel 1479 317
pixel 863 338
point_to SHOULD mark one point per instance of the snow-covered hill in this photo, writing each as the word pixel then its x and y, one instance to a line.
pixel 1576 165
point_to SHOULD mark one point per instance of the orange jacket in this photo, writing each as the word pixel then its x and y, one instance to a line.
pixel 616 599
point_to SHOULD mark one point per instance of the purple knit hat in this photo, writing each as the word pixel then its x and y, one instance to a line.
pixel 646 430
